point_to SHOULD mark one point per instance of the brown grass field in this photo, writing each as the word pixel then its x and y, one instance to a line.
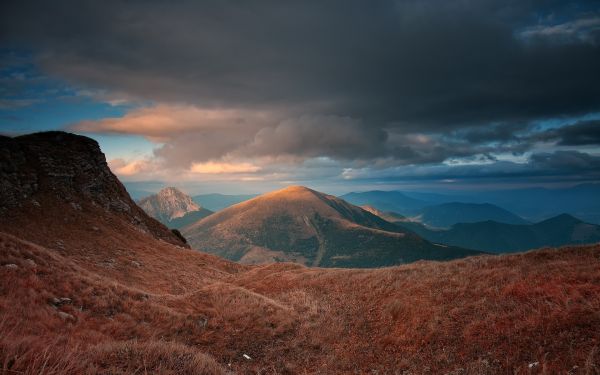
pixel 139 305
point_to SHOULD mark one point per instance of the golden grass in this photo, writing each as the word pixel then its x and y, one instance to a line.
pixel 181 311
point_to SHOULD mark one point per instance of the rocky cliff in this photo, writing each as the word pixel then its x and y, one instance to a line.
pixel 62 171
pixel 168 204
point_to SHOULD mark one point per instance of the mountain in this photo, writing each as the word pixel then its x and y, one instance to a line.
pixel 582 201
pixel 492 236
pixel 436 215
pixel 532 204
pixel 394 201
pixel 173 208
pixel 90 284
pixel 217 202
pixel 447 214
pixel 70 182
pixel 536 204
pixel 390 216
pixel 433 198
pixel 168 204
pixel 301 225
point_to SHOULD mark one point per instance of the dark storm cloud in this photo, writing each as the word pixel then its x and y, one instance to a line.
pixel 566 161
pixel 550 166
pixel 310 136
pixel 377 83
pixel 582 133
pixel 420 65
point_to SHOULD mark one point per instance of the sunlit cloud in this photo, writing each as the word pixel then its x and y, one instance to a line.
pixel 220 167
pixel 125 168
pixel 166 121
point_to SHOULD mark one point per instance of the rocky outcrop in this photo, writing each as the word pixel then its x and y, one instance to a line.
pixel 70 169
pixel 173 208
pixel 168 204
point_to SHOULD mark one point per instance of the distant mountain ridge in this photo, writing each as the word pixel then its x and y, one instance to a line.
pixel 394 201
pixel 216 202
pixel 492 236
pixel 173 208
pixel 447 214
pixel 532 204
pixel 304 226
pixel 441 215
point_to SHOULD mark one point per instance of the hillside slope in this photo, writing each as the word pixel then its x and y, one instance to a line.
pixel 390 216
pixel 304 226
pixel 89 291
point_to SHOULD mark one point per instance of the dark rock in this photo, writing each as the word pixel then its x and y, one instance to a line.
pixel 179 235
pixel 61 301
pixel 53 167
pixel 66 316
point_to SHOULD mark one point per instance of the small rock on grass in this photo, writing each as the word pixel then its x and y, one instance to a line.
pixel 65 316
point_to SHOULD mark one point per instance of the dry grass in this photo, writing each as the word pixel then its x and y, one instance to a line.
pixel 180 311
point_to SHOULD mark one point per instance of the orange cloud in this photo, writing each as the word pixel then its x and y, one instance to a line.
pixel 130 168
pixel 223 167
pixel 164 121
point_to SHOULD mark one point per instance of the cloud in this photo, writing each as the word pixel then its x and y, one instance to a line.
pixel 126 168
pixel 212 167
pixel 187 135
pixel 566 164
pixel 583 30
pixel 165 121
pixel 566 161
pixel 582 133
pixel 392 85
pixel 416 65
pixel 313 136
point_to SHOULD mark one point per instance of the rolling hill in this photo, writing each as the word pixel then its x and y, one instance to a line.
pixel 447 214
pixel 173 208
pixel 492 236
pixel 534 204
pixel 90 284
pixel 304 226
pixel 441 215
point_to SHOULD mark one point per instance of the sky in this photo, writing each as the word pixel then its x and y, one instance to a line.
pixel 244 97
